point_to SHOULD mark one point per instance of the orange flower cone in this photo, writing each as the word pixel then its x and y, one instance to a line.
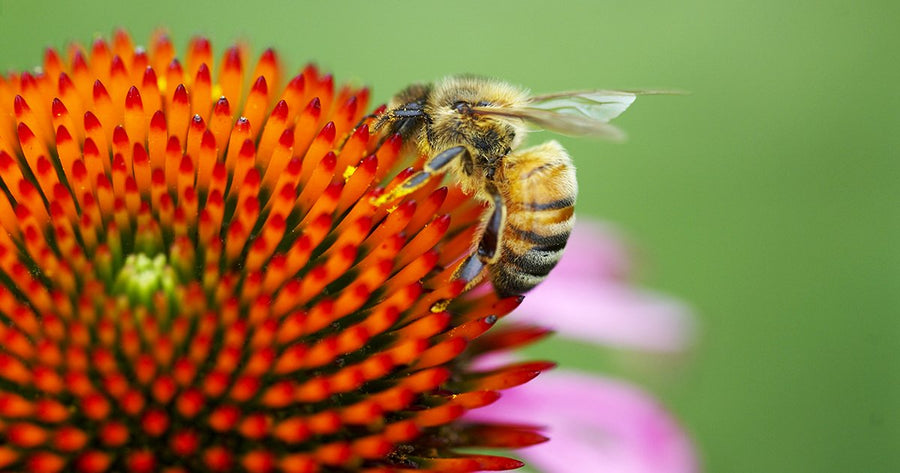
pixel 193 277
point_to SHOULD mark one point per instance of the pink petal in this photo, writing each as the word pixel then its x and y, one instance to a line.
pixel 587 297
pixel 595 425
pixel 594 250
pixel 611 314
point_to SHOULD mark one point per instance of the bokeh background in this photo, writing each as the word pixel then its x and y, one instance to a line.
pixel 767 199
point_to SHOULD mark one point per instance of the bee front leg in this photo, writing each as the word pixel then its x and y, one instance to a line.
pixel 436 165
pixel 400 119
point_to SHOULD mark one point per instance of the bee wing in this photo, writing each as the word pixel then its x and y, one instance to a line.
pixel 599 105
pixel 563 123
pixel 579 113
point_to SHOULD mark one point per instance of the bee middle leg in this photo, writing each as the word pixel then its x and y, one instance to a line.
pixel 434 166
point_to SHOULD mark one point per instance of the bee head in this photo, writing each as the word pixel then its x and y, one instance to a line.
pixel 455 120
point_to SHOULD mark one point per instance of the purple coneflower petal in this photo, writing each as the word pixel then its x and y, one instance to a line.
pixel 595 425
pixel 587 298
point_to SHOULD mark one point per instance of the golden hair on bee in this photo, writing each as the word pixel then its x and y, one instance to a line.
pixel 473 129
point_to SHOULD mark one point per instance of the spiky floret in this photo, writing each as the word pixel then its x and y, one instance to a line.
pixel 193 277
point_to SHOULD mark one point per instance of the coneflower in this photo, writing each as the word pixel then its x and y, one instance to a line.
pixel 193 277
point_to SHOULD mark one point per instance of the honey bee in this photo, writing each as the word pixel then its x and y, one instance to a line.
pixel 472 128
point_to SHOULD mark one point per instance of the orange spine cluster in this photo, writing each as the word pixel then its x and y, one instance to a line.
pixel 193 277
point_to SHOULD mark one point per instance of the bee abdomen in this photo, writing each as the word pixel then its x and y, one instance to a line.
pixel 517 273
pixel 558 204
pixel 540 213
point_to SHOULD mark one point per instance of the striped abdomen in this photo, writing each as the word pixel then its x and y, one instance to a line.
pixel 540 191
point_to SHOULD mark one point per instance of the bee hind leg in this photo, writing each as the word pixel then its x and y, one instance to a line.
pixel 435 165
pixel 489 243
pixel 474 267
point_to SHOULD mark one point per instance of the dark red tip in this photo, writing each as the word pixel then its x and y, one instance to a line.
pixel 219 172
pixel 5 160
pixel 117 67
pixel 43 166
pixel 119 162
pixel 395 141
pixel 350 106
pixel 200 44
pixel 51 57
pixel 63 135
pixel 208 141
pixel 28 81
pixel 221 105
pixel 186 165
pixel 298 83
pixel 140 154
pixel 78 62
pixel 252 178
pixel 91 122
pixel 260 86
pixel 175 68
pixel 311 71
pixel 327 132
pixel 361 133
pixel 100 91
pixel 203 74
pixel 173 146
pixel 149 79
pixel 90 148
pixel 327 82
pixel 280 112
pixel 158 121
pixel 180 95
pixel 314 106
pixel 242 125
pixel 133 99
pixel 295 165
pixel 20 106
pixel 287 138
pixel 78 170
pixel 65 83
pixel 158 177
pixel 25 133
pixel 120 136
pixel 441 223
pixel 369 163
pixel 57 108
pixel 233 58
pixel 268 55
pixel 99 46
pixel 247 148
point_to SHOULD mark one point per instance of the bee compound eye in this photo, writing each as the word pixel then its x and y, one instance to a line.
pixel 461 106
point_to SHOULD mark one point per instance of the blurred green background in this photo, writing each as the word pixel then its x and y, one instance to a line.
pixel 767 198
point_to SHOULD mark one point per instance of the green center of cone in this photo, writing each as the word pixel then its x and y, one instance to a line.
pixel 142 276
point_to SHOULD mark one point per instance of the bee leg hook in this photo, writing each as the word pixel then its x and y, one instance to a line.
pixel 471 271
